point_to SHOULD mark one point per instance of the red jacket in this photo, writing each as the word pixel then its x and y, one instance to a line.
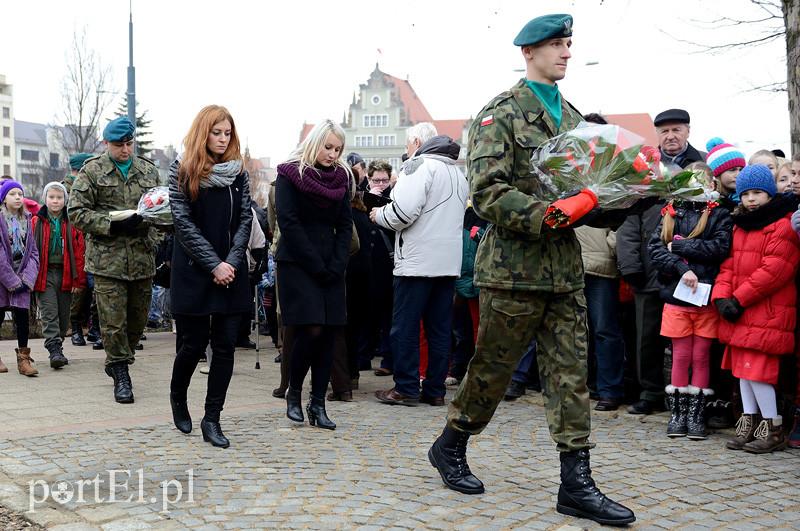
pixel 760 273
pixel 74 275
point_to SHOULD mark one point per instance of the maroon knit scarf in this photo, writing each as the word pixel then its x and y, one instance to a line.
pixel 324 185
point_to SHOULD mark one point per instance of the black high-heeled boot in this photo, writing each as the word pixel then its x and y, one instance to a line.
pixel 180 414
pixel 294 409
pixel 317 415
pixel 212 432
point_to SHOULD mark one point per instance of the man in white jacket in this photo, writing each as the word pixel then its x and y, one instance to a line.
pixel 427 213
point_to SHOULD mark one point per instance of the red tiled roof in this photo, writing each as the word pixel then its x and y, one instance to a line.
pixel 415 109
pixel 639 123
pixel 452 128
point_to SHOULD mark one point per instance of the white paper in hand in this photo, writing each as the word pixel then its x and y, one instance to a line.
pixel 698 298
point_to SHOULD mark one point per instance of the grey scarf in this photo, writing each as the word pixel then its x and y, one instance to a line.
pixel 222 174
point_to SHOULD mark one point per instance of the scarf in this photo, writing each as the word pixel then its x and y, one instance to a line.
pixel 550 98
pixel 56 243
pixel 123 167
pixel 324 185
pixel 222 174
pixel 17 229
pixel 768 214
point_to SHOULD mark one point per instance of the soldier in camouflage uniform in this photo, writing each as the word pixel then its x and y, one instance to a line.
pixel 79 297
pixel 120 253
pixel 531 280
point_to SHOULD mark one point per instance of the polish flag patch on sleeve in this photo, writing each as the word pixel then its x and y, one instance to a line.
pixel 487 120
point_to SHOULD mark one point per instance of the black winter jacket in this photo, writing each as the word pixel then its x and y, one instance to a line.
pixel 702 255
pixel 633 258
pixel 213 229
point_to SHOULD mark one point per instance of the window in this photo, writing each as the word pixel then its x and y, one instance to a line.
pixel 54 160
pixel 396 163
pixel 376 100
pixel 376 120
pixel 387 140
pixel 6 112
pixel 364 141
pixel 6 169
pixel 29 155
pixel 6 132
pixel 6 151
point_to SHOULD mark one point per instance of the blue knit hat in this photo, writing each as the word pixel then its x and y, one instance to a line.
pixel 756 177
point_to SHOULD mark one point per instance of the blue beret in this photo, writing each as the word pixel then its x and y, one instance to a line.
pixel 543 28
pixel 76 161
pixel 119 130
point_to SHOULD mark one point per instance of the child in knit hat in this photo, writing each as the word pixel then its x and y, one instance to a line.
pixel 726 162
pixel 767 158
pixel 757 298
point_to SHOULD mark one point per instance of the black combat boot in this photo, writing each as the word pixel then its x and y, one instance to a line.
pixel 294 409
pixel 57 358
pixel 180 413
pixel 317 415
pixel 123 387
pixel 212 432
pixel 678 407
pixel 579 496
pixel 77 335
pixel 448 455
pixel 93 334
pixel 696 420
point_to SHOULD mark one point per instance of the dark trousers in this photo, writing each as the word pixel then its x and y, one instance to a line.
pixel 430 300
pixel 312 348
pixel 21 323
pixel 649 346
pixel 345 363
pixel 604 329
pixel 193 336
pixel 527 371
pixel 463 337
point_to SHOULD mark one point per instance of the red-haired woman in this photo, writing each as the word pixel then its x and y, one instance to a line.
pixel 210 197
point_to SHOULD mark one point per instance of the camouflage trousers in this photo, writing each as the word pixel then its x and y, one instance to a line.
pixel 122 306
pixel 509 320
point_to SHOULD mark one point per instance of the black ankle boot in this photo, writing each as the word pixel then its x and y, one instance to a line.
pixel 448 455
pixel 579 496
pixel 180 414
pixel 77 335
pixel 123 387
pixel 696 419
pixel 678 405
pixel 212 432
pixel 317 415
pixel 57 358
pixel 294 409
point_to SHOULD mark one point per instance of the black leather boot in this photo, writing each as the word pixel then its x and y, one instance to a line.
pixel 57 358
pixel 180 414
pixel 317 415
pixel 77 335
pixel 696 420
pixel 678 406
pixel 123 387
pixel 93 334
pixel 294 409
pixel 448 455
pixel 212 432
pixel 579 496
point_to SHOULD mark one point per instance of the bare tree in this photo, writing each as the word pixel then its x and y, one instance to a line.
pixel 791 19
pixel 85 96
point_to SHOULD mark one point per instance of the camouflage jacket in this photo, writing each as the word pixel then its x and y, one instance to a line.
pixel 99 189
pixel 518 252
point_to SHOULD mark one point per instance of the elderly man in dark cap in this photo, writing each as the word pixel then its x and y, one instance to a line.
pixel 672 127
pixel 359 167
pixel 119 252
pixel 530 278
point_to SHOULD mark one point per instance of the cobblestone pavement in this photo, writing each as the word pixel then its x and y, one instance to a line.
pixel 371 473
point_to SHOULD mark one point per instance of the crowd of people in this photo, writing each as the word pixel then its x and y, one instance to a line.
pixel 447 279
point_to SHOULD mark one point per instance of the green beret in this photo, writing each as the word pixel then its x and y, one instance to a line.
pixel 543 28
pixel 119 130
pixel 76 161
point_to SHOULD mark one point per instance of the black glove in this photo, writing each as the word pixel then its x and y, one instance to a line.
pixel 637 280
pixel 127 225
pixel 730 309
pixel 22 288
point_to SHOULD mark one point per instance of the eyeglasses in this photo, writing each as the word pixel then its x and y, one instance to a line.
pixel 379 181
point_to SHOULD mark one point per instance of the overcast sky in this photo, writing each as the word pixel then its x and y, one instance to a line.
pixel 278 64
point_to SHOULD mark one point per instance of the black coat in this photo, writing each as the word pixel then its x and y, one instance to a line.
pixel 633 258
pixel 702 255
pixel 213 229
pixel 312 256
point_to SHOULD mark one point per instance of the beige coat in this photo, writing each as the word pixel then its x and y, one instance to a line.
pixel 598 250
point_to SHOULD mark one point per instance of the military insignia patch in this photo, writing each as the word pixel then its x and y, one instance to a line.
pixel 488 120
pixel 568 27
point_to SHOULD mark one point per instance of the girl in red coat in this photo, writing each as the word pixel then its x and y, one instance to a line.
pixel 61 274
pixel 756 296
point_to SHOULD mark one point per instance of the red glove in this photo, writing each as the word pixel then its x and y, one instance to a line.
pixel 565 212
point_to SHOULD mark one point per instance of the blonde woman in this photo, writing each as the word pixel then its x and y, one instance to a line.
pixel 315 221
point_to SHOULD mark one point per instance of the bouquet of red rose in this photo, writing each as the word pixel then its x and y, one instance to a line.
pixel 153 206
pixel 602 165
